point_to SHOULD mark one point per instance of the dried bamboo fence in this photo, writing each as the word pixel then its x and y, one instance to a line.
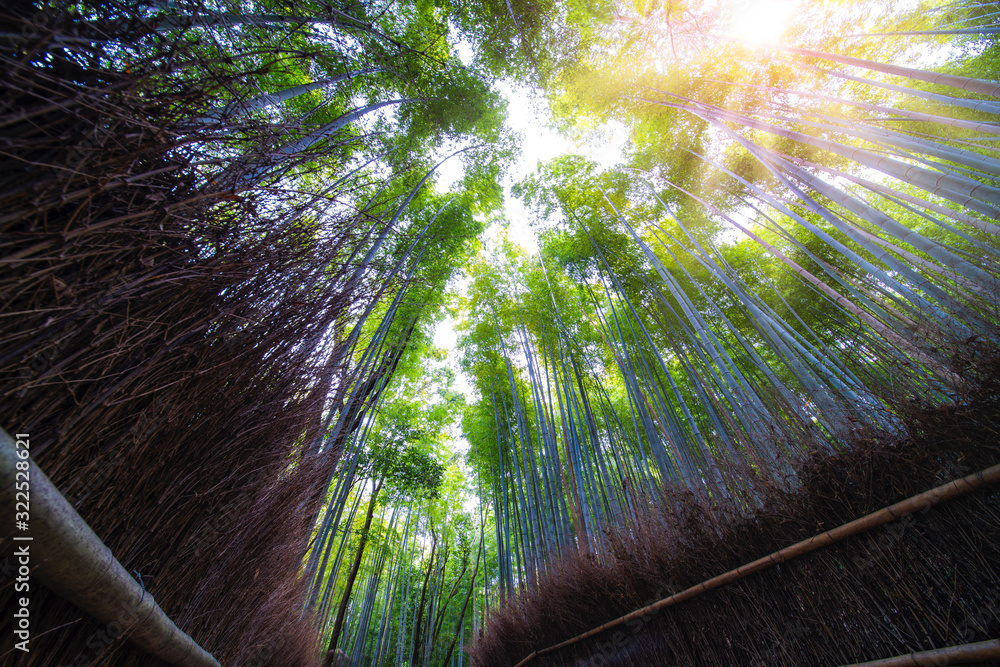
pixel 918 503
pixel 163 340
pixel 924 584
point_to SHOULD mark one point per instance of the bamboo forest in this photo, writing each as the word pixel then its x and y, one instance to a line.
pixel 497 333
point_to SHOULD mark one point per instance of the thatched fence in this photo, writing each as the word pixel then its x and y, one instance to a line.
pixel 161 337
pixel 920 584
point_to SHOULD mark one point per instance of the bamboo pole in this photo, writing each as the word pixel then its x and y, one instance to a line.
pixel 981 86
pixel 965 654
pixel 67 556
pixel 916 503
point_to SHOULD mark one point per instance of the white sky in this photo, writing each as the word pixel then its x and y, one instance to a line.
pixel 528 116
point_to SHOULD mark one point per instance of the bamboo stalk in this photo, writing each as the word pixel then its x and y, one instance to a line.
pixel 916 503
pixel 987 651
pixel 70 559
pixel 981 86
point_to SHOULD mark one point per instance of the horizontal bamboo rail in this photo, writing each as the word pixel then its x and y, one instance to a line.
pixel 988 651
pixel 917 503
pixel 67 557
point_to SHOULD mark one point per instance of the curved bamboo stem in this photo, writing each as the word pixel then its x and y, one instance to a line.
pixel 70 559
pixel 965 654
pixel 916 503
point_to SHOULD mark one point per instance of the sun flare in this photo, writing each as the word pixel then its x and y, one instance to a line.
pixel 760 21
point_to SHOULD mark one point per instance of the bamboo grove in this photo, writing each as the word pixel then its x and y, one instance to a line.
pixel 228 244
pixel 782 267
pixel 644 347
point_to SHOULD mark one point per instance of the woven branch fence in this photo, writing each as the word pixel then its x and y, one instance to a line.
pixel 163 341
pixel 925 582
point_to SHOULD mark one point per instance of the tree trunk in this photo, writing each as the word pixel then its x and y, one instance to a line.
pixel 439 623
pixel 420 609
pixel 465 606
pixel 338 626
